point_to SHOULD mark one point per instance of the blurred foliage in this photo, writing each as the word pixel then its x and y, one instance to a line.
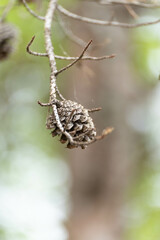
pixel 146 52
pixel 143 209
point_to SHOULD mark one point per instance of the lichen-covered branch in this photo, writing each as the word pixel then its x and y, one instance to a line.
pixel 49 47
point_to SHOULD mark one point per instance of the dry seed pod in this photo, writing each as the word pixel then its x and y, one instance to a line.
pixel 7 35
pixel 76 121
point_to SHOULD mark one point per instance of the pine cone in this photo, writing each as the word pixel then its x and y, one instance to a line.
pixel 76 121
pixel 7 34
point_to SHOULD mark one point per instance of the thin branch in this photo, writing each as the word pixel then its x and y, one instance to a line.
pixel 85 57
pixel 32 12
pixel 59 94
pixel 75 61
pixel 69 34
pixel 49 46
pixel 44 104
pixel 53 87
pixel 50 52
pixel 131 3
pixel 131 11
pixel 105 132
pixel 66 58
pixel 103 23
pixel 41 55
pixel 94 109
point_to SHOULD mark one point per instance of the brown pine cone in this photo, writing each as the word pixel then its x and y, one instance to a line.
pixel 76 121
pixel 7 34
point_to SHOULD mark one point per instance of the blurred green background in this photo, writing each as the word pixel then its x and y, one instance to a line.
pixel 35 171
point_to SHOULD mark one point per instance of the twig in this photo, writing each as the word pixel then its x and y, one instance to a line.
pixel 49 46
pixel 75 61
pixel 32 12
pixel 66 58
pixel 59 94
pixel 85 57
pixel 69 34
pixel 94 109
pixel 50 52
pixel 131 3
pixel 53 87
pixel 41 55
pixel 103 23
pixel 105 132
pixel 44 104
pixel 131 11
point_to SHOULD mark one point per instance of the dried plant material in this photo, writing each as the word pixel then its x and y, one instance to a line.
pixel 105 132
pixel 75 120
pixel 68 119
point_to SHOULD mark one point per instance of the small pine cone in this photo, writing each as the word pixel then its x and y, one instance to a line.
pixel 7 35
pixel 76 121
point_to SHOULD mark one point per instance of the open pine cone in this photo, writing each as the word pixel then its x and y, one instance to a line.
pixel 75 120
pixel 7 34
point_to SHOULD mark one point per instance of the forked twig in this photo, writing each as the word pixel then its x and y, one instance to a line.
pixel 68 106
pixel 63 57
pixel 53 87
pixel 75 61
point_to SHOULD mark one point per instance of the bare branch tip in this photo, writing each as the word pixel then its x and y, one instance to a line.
pixel 94 109
pixel 39 103
pixel 88 44
pixel 105 132
pixel 30 43
pixel 113 56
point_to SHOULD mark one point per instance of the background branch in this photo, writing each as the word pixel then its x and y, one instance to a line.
pixel 32 12
pixel 103 23
pixel 131 3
